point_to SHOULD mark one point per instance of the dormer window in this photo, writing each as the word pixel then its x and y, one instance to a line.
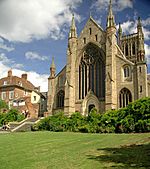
pixel 20 83
pixel 5 83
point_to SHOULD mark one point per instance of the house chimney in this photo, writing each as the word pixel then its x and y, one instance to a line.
pixel 37 89
pixel 24 76
pixel 10 73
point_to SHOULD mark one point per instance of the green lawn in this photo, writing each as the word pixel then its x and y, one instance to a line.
pixel 48 150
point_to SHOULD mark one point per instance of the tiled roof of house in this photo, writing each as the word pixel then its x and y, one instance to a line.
pixel 16 81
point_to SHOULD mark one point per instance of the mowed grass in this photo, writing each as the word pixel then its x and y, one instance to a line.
pixel 48 150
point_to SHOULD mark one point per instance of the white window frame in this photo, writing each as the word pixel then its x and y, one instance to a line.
pixel 5 82
pixel 3 95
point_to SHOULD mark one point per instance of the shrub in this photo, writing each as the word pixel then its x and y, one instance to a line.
pixel 11 115
pixel 134 118
pixel 75 122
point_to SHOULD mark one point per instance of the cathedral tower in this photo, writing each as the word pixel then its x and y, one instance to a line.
pixel 111 51
pixel 141 63
pixel 69 105
pixel 51 87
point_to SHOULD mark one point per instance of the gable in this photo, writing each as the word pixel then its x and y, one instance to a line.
pixel 91 33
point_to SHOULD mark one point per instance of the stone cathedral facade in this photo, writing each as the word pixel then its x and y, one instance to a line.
pixel 104 69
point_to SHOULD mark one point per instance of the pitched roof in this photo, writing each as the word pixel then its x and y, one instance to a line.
pixel 16 81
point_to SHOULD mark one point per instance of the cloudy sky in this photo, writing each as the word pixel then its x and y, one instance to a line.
pixel 33 31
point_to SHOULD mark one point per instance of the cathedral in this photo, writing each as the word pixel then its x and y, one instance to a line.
pixel 105 69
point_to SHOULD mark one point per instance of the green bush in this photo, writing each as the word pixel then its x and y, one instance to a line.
pixel 11 115
pixel 134 118
pixel 56 123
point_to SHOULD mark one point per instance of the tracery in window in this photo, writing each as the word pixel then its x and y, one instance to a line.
pixel 92 72
pixel 125 97
pixel 60 99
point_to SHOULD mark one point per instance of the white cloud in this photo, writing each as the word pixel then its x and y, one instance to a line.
pixel 35 56
pixel 147 53
pixel 122 4
pixel 25 20
pixel 5 47
pixel 18 65
pixel 146 34
pixel 146 22
pixel 118 5
pixel 130 27
pixel 4 59
pixel 9 62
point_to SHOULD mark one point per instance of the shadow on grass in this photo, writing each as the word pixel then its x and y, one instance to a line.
pixel 127 156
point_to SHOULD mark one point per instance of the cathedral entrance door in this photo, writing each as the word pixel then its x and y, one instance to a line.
pixel 91 106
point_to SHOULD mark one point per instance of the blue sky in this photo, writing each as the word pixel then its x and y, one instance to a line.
pixel 32 32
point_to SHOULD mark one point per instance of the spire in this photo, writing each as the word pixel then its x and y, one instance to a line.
pixel 141 51
pixel 139 25
pixel 120 29
pixel 119 34
pixel 110 17
pixel 90 14
pixel 73 32
pixel 52 69
pixel 52 64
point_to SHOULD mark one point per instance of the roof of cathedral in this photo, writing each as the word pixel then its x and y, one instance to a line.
pixel 63 69
pixel 92 19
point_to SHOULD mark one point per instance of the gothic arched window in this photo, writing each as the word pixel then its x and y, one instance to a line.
pixel 60 99
pixel 92 72
pixel 125 97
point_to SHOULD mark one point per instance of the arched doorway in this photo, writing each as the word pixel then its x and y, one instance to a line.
pixel 89 102
pixel 91 106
